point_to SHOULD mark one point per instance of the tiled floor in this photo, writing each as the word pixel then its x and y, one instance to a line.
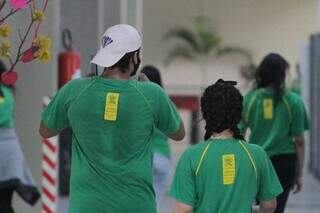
pixel 308 200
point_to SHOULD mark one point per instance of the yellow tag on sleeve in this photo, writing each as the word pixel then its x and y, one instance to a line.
pixel 268 109
pixel 1 100
pixel 111 108
pixel 228 169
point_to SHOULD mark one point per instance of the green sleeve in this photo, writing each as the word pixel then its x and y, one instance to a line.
pixel 269 184
pixel 300 121
pixel 183 186
pixel 167 118
pixel 55 116
pixel 6 107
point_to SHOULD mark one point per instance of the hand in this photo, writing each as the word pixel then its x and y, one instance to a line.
pixel 143 77
pixel 255 209
pixel 297 185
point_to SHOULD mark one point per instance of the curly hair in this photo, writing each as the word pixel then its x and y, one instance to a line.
pixel 221 106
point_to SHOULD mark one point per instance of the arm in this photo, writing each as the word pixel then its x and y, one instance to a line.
pixel 167 118
pixel 179 135
pixel 45 132
pixel 268 206
pixel 299 145
pixel 183 208
pixel 54 118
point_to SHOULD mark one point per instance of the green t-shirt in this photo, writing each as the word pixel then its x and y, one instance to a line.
pixel 113 123
pixel 274 125
pixel 160 144
pixel 218 175
pixel 6 108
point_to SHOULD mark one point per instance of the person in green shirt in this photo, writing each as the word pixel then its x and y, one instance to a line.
pixel 113 119
pixel 277 120
pixel 15 175
pixel 223 173
pixel 161 148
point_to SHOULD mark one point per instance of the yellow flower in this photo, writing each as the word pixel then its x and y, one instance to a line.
pixel 43 42
pixel 38 15
pixel 5 48
pixel 5 30
pixel 44 55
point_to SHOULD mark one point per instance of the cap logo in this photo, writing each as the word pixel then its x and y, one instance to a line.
pixel 106 40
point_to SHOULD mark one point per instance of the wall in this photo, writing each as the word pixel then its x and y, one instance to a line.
pixel 87 21
pixel 260 26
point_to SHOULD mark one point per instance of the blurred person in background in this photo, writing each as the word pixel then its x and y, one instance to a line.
pixel 113 119
pixel 223 173
pixel 161 148
pixel 296 83
pixel 14 173
pixel 277 119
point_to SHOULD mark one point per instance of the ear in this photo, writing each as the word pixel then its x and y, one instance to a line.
pixel 136 56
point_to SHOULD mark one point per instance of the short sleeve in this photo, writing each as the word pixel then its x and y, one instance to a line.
pixel 183 186
pixel 300 121
pixel 55 116
pixel 269 184
pixel 167 117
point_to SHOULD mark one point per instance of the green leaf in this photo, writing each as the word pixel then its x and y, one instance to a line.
pixel 179 51
pixel 229 50
pixel 184 35
pixel 209 40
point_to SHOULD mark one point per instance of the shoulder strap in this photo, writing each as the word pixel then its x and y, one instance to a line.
pixel 204 152
pixel 250 157
pixel 80 93
pixel 251 102
pixel 144 97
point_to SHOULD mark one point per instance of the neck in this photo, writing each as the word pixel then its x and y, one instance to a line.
pixel 116 74
pixel 223 135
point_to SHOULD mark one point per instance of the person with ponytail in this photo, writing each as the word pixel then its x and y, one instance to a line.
pixel 277 120
pixel 223 173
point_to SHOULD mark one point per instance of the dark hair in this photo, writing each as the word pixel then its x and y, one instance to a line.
pixel 124 62
pixel 153 74
pixel 221 106
pixel 272 73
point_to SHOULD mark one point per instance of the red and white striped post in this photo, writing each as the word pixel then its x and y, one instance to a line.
pixel 49 171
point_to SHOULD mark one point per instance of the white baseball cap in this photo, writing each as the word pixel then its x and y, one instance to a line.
pixel 115 43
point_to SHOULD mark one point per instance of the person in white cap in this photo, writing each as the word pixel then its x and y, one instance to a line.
pixel 113 119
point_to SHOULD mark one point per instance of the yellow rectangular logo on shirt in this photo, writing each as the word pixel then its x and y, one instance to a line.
pixel 1 100
pixel 268 109
pixel 111 108
pixel 228 169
